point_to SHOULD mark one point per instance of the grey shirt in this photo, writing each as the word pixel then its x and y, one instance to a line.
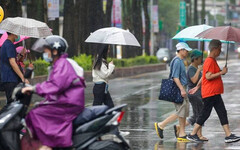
pixel 190 73
pixel 178 70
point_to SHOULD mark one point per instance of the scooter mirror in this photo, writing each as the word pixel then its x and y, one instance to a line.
pixel 28 73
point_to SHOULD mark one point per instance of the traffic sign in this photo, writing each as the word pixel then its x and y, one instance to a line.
pixel 182 14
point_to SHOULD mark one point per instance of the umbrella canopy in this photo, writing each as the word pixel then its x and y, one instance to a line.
pixel 189 33
pixel 226 33
pixel 5 36
pixel 113 35
pixel 26 27
pixel 20 48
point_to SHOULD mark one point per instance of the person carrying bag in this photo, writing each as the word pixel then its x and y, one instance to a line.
pixel 169 90
pixel 178 77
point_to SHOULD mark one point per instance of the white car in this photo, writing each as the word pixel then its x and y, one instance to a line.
pixel 163 54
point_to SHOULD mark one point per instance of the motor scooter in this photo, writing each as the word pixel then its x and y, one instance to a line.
pixel 88 128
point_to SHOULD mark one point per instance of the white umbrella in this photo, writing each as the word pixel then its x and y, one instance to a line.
pixel 113 35
pixel 26 27
pixel 189 33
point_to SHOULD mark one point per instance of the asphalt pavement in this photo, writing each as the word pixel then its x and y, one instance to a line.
pixel 141 94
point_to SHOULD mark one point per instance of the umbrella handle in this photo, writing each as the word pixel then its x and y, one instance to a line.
pixel 202 50
pixel 227 54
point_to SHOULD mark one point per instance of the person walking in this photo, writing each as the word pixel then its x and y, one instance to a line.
pixel 11 75
pixel 180 78
pixel 194 76
pixel 212 88
pixel 100 73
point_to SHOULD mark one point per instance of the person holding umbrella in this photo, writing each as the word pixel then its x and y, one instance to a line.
pixel 212 88
pixel 14 26
pixel 101 69
pixel 100 73
pixel 11 75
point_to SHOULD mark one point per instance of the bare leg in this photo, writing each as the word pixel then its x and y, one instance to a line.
pixel 226 130
pixel 186 124
pixel 182 126
pixel 199 133
pixel 195 129
pixel 169 119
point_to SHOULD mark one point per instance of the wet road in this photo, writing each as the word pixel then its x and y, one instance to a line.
pixel 144 108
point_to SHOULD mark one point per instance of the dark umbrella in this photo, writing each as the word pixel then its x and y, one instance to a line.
pixel 226 33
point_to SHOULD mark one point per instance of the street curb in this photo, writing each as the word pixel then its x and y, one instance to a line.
pixel 119 72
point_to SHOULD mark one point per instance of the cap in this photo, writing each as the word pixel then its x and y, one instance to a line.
pixel 182 45
pixel 196 53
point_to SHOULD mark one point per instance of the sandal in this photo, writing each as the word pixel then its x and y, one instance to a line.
pixel 176 131
pixel 183 139
pixel 158 130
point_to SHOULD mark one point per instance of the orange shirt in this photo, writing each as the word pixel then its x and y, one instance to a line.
pixel 214 86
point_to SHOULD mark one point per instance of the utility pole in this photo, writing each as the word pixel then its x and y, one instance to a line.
pixel 152 34
pixel 226 11
pixel 203 12
pixel 195 13
pixel 215 12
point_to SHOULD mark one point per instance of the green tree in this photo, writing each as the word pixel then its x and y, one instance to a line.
pixel 36 10
pixel 132 20
pixel 12 8
pixel 203 11
pixel 147 26
pixel 195 18
pixel 69 26
pixel 169 14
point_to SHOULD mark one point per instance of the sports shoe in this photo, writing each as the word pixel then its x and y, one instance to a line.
pixel 232 138
pixel 193 138
pixel 158 130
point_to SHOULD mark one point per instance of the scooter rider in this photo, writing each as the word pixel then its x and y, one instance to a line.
pixel 51 121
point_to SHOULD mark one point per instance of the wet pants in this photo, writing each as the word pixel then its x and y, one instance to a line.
pixel 102 95
pixel 210 102
pixel 9 87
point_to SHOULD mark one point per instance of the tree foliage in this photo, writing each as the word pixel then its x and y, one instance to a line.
pixel 169 14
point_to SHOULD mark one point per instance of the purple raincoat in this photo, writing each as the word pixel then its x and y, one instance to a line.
pixel 51 121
